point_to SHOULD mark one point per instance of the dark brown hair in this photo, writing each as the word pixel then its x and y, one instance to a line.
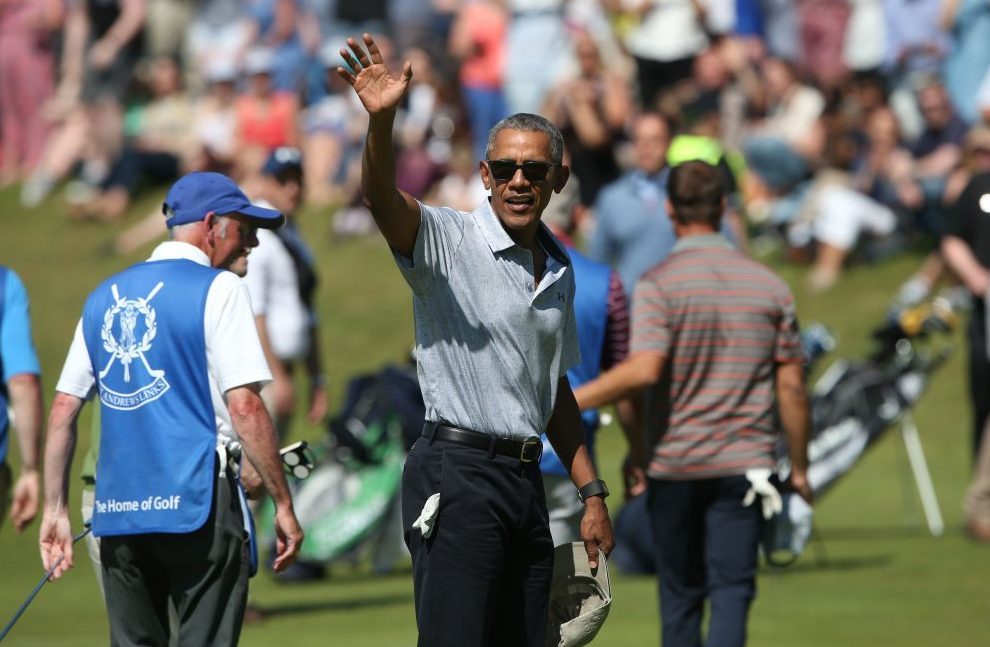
pixel 697 193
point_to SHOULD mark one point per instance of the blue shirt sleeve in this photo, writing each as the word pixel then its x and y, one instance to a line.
pixel 16 346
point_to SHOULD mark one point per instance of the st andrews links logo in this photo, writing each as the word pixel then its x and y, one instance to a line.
pixel 128 329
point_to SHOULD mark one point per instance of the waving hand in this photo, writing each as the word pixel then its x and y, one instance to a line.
pixel 379 91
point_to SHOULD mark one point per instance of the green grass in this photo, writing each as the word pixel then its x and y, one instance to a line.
pixel 876 579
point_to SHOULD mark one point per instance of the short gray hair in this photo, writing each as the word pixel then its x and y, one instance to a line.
pixel 529 123
pixel 178 230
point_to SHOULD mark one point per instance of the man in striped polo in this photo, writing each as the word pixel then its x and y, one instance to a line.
pixel 715 340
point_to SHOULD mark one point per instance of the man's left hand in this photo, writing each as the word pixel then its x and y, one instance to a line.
pixel 596 529
pixel 634 477
pixel 318 404
pixel 24 506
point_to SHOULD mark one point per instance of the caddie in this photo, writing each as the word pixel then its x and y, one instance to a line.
pixel 170 348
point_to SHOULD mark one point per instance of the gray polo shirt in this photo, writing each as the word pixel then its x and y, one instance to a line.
pixel 490 348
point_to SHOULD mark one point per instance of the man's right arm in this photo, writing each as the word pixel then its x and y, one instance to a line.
pixel 254 427
pixel 25 400
pixel 792 403
pixel 395 212
pixel 960 259
pixel 55 536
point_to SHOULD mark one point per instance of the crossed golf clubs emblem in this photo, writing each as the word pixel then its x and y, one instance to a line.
pixel 128 348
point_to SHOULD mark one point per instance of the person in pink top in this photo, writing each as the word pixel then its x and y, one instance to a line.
pixel 478 40
pixel 27 67
pixel 266 119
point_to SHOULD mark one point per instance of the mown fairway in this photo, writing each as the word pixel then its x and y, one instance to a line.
pixel 877 578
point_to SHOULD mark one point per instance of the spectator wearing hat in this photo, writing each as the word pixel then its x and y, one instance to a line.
pixel 715 339
pixel 170 348
pixel 282 279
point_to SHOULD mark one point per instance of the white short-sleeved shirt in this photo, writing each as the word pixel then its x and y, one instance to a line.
pixel 274 286
pixel 490 346
pixel 233 351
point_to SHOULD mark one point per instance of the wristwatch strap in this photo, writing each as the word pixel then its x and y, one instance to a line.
pixel 595 488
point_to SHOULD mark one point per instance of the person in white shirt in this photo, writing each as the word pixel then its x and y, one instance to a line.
pixel 281 278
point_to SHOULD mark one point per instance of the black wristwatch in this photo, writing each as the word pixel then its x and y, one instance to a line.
pixel 595 488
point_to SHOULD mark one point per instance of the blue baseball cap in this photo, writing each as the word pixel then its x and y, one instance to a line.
pixel 282 159
pixel 197 194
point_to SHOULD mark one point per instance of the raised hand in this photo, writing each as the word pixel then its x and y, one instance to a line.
pixel 379 91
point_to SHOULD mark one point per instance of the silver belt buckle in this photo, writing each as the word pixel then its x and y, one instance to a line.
pixel 529 442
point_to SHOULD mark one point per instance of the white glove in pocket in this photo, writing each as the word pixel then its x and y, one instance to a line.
pixel 760 485
pixel 428 517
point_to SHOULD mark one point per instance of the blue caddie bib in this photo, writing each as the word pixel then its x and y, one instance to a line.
pixel 144 333
pixel 591 311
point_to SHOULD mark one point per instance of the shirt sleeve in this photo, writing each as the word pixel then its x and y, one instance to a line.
pixel 233 349
pixel 77 373
pixel 616 324
pixel 16 346
pixel 788 346
pixel 650 320
pixel 441 230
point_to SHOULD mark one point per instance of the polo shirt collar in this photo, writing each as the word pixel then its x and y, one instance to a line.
pixel 499 240
pixel 174 249
pixel 702 240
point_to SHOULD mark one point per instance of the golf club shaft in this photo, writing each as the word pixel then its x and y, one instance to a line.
pixel 37 587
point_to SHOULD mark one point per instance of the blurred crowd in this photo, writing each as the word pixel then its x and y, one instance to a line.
pixel 844 126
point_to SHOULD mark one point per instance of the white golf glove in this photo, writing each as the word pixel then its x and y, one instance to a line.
pixel 428 517
pixel 759 480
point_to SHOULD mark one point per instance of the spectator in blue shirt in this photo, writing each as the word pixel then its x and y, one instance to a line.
pixel 21 389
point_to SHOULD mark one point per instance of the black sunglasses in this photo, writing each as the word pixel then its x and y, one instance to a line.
pixel 504 170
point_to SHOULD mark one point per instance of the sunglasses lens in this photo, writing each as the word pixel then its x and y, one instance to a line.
pixel 300 471
pixel 502 170
pixel 535 171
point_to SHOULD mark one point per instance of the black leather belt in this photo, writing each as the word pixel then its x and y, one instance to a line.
pixel 527 451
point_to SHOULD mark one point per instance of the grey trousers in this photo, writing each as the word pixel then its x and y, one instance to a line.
pixel 204 574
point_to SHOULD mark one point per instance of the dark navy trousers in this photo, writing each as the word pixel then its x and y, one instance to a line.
pixel 706 547
pixel 482 578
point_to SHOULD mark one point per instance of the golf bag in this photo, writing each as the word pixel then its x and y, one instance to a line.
pixel 349 504
pixel 852 406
